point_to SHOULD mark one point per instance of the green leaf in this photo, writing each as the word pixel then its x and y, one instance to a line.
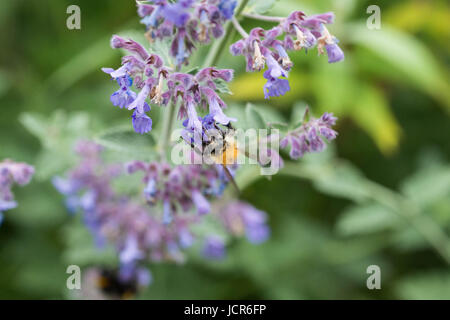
pixel 405 55
pixel 339 179
pixel 279 125
pixel 299 115
pixel 259 6
pixel 428 185
pixel 123 139
pixel 36 124
pixel 365 219
pixel 193 70
pixel 81 249
pixel 253 118
pixel 57 133
pixel 425 286
pixel 222 86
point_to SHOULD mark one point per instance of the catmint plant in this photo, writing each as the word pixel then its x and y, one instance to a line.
pixel 10 173
pixel 161 221
pixel 269 47
pixel 157 225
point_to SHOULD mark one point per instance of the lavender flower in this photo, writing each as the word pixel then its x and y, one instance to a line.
pixel 151 77
pixel 184 187
pixel 261 47
pixel 186 22
pixel 309 136
pixel 275 87
pixel 10 173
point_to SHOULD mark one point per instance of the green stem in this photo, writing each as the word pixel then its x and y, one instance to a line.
pixel 211 60
pixel 169 118
pixel 430 231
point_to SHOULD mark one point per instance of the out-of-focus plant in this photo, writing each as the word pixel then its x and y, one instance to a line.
pixel 158 231
pixel 353 88
pixel 321 242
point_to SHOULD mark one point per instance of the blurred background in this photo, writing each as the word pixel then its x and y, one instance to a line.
pixel 379 196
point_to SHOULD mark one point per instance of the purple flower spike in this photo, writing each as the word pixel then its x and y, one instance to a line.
pixel 309 136
pixel 300 32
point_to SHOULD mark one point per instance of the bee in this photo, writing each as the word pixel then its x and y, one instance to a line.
pixel 220 147
pixel 109 283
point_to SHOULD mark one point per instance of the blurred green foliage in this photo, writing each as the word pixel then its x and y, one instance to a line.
pixel 379 195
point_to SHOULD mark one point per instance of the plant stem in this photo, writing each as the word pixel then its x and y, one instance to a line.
pixel 430 231
pixel 169 118
pixel 219 46
pixel 239 28
pixel 262 18
pixel 211 60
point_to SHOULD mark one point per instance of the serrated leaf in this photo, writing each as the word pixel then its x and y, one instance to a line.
pixel 36 124
pixel 222 86
pixel 428 185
